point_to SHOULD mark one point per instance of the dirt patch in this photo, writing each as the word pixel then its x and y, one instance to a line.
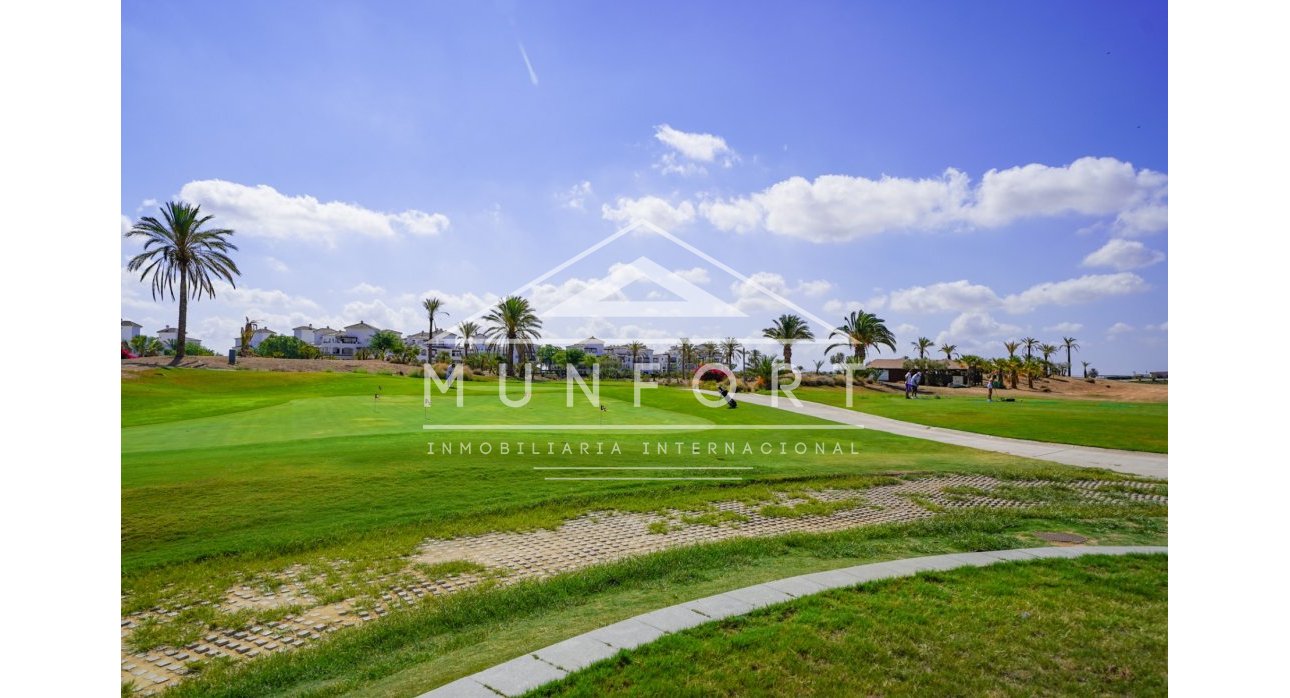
pixel 1062 388
pixel 259 363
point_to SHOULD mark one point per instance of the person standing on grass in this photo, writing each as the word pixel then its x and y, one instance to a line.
pixel 989 388
pixel 918 378
pixel 909 383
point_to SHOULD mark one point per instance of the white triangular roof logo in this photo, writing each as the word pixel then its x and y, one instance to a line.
pixel 594 301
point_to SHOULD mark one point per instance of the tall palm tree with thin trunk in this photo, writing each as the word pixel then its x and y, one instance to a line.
pixel 787 329
pixel 514 329
pixel 1047 350
pixel 432 307
pixel 180 252
pixel 1029 343
pixel 1012 348
pixel 1070 343
pixel 922 344
pixel 1085 368
pixel 469 331
pixel 861 332
pixel 687 353
pixel 948 350
pixel 729 347
pixel 635 348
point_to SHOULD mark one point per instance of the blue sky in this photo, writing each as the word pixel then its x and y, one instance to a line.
pixel 971 172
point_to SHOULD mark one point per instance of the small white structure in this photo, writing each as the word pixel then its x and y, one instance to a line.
pixel 129 330
pixel 170 335
pixel 591 345
pixel 258 336
pixel 306 334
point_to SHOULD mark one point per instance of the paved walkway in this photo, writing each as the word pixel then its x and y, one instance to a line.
pixel 1132 462
pixel 552 663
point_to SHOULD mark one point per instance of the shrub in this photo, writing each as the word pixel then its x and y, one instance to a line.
pixel 281 346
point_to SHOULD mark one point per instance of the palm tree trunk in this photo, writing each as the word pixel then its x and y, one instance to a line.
pixel 1070 369
pixel 788 354
pixel 182 340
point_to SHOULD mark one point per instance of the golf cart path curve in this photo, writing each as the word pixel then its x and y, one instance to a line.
pixel 1131 462
pixel 529 671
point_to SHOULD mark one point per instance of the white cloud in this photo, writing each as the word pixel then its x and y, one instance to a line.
pixel 975 331
pixel 1162 327
pixel 749 296
pixel 841 307
pixel 1089 186
pixel 1085 289
pixel 649 208
pixel 1065 327
pixel 701 147
pixel 263 211
pixel 905 329
pixel 533 78
pixel 366 289
pixel 277 265
pixel 948 296
pixel 126 224
pixel 1119 328
pixel 576 197
pixel 835 208
pixel 262 298
pixel 697 275
pixel 739 215
pixel 1123 255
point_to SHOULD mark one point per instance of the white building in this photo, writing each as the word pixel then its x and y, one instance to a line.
pixel 591 345
pixel 646 360
pixel 306 334
pixel 259 335
pixel 170 335
pixel 129 330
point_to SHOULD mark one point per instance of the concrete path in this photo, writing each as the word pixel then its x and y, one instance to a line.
pixel 1132 462
pixel 527 672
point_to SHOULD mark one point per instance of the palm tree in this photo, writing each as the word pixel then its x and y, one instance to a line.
pixel 1032 367
pixel 687 353
pixel 1029 343
pixel 708 351
pixel 922 345
pixel 1070 343
pixel 635 348
pixel 143 345
pixel 976 366
pixel 432 306
pixel 862 331
pixel 1012 348
pixel 179 249
pixel 787 329
pixel 514 328
pixel 469 331
pixel 1047 350
pixel 948 350
pixel 729 346
pixel 1085 368
pixel 819 364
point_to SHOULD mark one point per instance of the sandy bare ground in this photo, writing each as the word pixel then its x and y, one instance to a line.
pixel 255 363
pixel 1076 388
pixel 1055 387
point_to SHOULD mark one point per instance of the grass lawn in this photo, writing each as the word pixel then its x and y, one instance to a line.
pixel 220 464
pixel 1089 626
pixel 230 477
pixel 1132 426
pixel 415 650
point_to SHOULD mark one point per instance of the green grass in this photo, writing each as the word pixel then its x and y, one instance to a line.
pixel 227 476
pixel 1087 626
pixel 1132 426
pixel 411 651
pixel 230 477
